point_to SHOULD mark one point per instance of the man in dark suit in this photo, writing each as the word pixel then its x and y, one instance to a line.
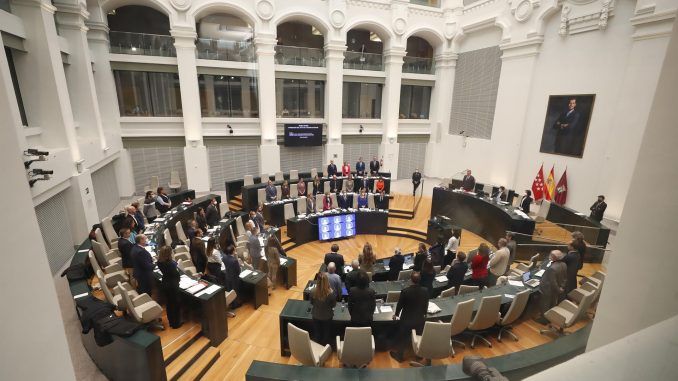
pixel 395 265
pixel 456 273
pixel 331 169
pixel 351 278
pixel 271 192
pixel 500 195
pixel 231 269
pixel 212 213
pixel 310 204
pixel 566 127
pixel 411 308
pixel 338 259
pixel 526 201
pixel 253 245
pixel 468 183
pixel 343 200
pixel 420 257
pixel 143 266
pixel 598 209
pixel 360 167
pixel 258 222
pixel 416 181
pixel 335 184
pixel 361 300
pixel 125 247
pixel 374 166
pixel 381 201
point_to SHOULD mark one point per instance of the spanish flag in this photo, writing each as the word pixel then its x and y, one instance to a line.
pixel 550 185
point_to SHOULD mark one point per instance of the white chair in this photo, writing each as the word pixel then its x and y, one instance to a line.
pixel 517 308
pixel 370 201
pixel 306 351
pixel 279 176
pixel 261 195
pixel 445 270
pixel 405 274
pixel 461 318
pixel 155 183
pixel 181 234
pixel 565 314
pixel 314 173
pixel 223 209
pixel 187 266
pixel 111 235
pixel 333 196
pixel 325 173
pixel 239 226
pixel 294 191
pixel 112 276
pixel 106 258
pixel 301 205
pixel 357 349
pixel 486 317
pixel 175 181
pixel 278 192
pixel 249 180
pixel 392 297
pixel 167 236
pixel 543 211
pixel 142 308
pixel 114 299
pixel 355 200
pixel 447 293
pixel 465 289
pixel 288 211
pixel 294 175
pixel 319 202
pixel 434 342
pixel 230 230
pixel 99 236
pixel 231 296
pixel 264 178
pixel 436 269
pixel 576 296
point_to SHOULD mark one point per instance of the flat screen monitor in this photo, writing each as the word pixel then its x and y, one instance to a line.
pixel 333 227
pixel 303 135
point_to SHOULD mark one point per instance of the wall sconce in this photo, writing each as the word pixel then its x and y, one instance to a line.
pixel 194 142
pixel 230 129
pixel 360 129
pixel 38 172
pixel 79 165
pixel 391 140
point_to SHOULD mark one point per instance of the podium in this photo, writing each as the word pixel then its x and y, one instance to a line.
pixel 440 229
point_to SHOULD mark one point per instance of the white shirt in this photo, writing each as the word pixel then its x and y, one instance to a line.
pixel 452 244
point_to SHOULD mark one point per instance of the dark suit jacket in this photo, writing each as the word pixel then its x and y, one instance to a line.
pixel 455 276
pixel 395 266
pixel 360 167
pixel 344 201
pixel 316 188
pixel 143 269
pixel 231 272
pixel 170 275
pixel 271 193
pixel 351 279
pixel 335 185
pixel 597 210
pixel 413 304
pixel 571 259
pixel 416 178
pixel 198 255
pixel 331 170
pixel 419 259
pixel 361 303
pixel 468 183
pixel 202 223
pixel 338 260
pixel 374 166
pixel 125 248
pixel 212 215
pixel 381 202
pixel 525 204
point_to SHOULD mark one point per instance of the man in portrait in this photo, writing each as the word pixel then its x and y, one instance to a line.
pixel 567 127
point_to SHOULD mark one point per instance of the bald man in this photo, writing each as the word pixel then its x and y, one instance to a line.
pixel 411 311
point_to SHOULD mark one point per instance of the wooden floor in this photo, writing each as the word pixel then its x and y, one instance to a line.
pixel 254 334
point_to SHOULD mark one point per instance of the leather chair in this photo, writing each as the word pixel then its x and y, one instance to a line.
pixel 249 180
pixel 261 195
pixel 111 234
pixel 405 274
pixel 99 236
pixel 434 343
pixel 461 318
pixel 239 226
pixel 288 210
pixel 114 299
pixel 314 173
pixel 465 289
pixel 514 312
pixel 279 176
pixel 223 209
pixel 294 175
pixel 181 234
pixel 357 349
pixel 303 349
pixel 392 297
pixel 187 266
pixel 370 201
pixel 278 192
pixel 565 314
pixel 447 293
pixel 264 178
pixel 301 205
pixel 175 181
pixel 294 191
pixel 486 317
pixel 106 258
pixel 112 275
pixel 231 296
pixel 142 308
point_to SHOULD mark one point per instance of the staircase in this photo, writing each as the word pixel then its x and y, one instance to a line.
pixel 235 204
pixel 407 233
pixel 190 356
pixel 401 213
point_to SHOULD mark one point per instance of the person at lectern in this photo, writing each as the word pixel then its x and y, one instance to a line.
pixel 271 192
pixel 327 202
pixel 374 166
pixel 416 181
pixel 360 167
pixel 331 169
pixel 598 208
pixel 468 183
pixel 526 201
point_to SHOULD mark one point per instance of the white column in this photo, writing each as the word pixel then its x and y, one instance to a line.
pixel 71 17
pixel 393 65
pixel 195 153
pixel 441 108
pixel 269 151
pixel 37 300
pixel 44 81
pixel 334 61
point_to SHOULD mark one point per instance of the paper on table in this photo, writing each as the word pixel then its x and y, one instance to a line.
pixel 283 261
pixel 245 273
pixel 209 290
pixel 81 295
pixel 376 309
pixel 510 296
pixel 407 266
pixel 515 283
pixel 432 308
pixel 386 309
pixel 469 272
pixel 195 288
pixel 539 273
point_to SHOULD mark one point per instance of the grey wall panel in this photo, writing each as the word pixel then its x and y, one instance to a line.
pixel 302 158
pixel 231 161
pixel 411 155
pixel 352 151
pixel 476 83
pixel 156 161
pixel 105 189
pixel 56 233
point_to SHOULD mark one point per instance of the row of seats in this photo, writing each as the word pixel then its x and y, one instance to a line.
pixel 280 176
pixel 174 183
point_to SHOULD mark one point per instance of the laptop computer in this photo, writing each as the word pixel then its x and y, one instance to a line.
pixel 529 282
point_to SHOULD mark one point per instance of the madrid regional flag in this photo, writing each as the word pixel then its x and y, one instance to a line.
pixel 550 185
pixel 538 185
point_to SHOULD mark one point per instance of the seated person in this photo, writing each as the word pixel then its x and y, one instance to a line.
pixel 362 199
pixel 381 201
pixel 301 188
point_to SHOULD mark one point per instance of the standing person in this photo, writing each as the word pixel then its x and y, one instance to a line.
pixel 214 261
pixel 380 185
pixel 129 221
pixel 335 280
pixel 526 201
pixel 310 205
pixel 416 181
pixel 327 202
pixel 316 186
pixel 254 246
pixel 360 167
pixel 511 246
pixel 335 184
pixel 197 251
pixel 352 276
pixel 580 245
pixel 125 247
pixel 395 265
pixel 381 201
pixel 451 249
pixel 301 188
pixel 374 167
pixel 479 266
pixel 162 201
pixel 331 169
pixel 350 184
pixel 201 219
pixel 143 266
pixel 468 183
pixel 150 209
pixel 361 301
pixel 323 301
pixel 285 190
pixel 231 269
pixel 428 274
pixel 212 213
pixel 497 264
pixel 411 311
pixel 367 258
pixel 362 200
pixel 273 253
pixel 271 192
pixel 169 286
pixel 457 272
pixel 346 169
pixel 571 260
pixel 552 284
pixel 598 209
pixel 338 259
pixel 343 201
pixel 138 216
pixel 420 257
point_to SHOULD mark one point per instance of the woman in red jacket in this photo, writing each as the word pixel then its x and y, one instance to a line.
pixel 346 169
pixel 479 266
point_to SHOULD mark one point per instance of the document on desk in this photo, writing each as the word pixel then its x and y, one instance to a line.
pixel 195 288
pixel 433 308
pixel 283 261
pixel 209 290
pixel 469 272
pixel 441 278
pixel 245 273
pixel 539 273
pixel 385 308
pixel 408 266
pixel 516 283
pixel 510 296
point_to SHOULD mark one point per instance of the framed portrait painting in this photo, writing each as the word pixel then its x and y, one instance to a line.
pixel 567 124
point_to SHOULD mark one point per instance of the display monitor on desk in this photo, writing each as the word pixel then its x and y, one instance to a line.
pixel 333 227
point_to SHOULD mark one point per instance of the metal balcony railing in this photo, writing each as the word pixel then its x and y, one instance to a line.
pixel 225 50
pixel 418 65
pixel 300 56
pixel 363 61
pixel 428 3
pixel 142 44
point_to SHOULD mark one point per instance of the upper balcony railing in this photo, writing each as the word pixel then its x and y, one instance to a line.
pixel 300 56
pixel 4 5
pixel 363 61
pixel 428 3
pixel 225 50
pixel 142 44
pixel 418 65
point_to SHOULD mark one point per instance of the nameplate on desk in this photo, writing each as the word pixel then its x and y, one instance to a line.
pixel 83 251
pixel 385 308
pixel 432 308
